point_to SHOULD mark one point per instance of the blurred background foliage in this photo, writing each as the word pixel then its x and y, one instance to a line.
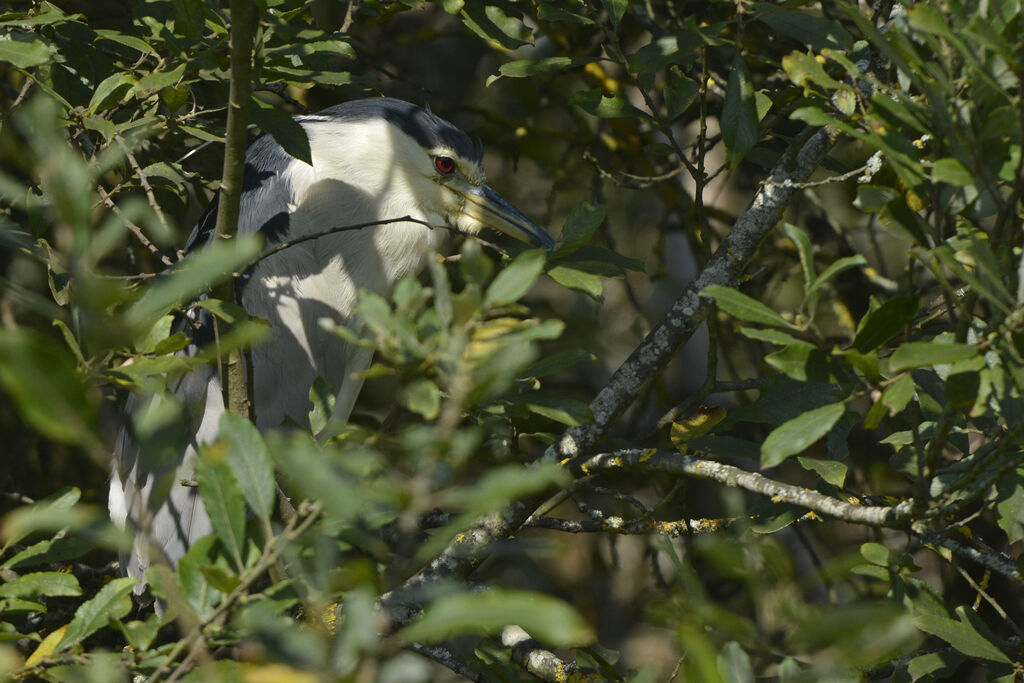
pixel 872 351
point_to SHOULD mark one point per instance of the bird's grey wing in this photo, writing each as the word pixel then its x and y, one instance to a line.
pixel 265 196
pixel 152 488
pixel 153 492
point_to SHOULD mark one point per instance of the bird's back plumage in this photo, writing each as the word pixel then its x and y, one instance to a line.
pixel 359 174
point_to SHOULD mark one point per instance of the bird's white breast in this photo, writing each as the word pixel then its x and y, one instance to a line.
pixel 321 278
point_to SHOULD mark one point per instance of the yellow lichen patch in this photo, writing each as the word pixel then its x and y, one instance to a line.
pixel 329 618
pixel 648 454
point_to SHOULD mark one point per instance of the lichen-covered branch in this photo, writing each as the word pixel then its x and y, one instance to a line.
pixel 688 465
pixel 997 562
pixel 689 311
pixel 465 553
pixel 539 662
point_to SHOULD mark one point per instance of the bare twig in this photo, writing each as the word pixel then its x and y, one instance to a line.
pixel 308 515
pixel 143 181
pixel 134 229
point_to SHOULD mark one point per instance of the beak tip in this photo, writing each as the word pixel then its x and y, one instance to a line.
pixel 542 240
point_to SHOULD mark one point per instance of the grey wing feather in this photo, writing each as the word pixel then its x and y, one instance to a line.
pixel 147 494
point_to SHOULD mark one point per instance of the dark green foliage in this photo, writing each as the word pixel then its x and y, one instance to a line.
pixel 873 352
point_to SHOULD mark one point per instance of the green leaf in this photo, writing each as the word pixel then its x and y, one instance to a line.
pixel 898 394
pixel 321 395
pixel 578 280
pixel 804 362
pixel 873 198
pixel 743 307
pixel 961 635
pixel 228 311
pixel 934 666
pixel 551 13
pixel 615 9
pixel 422 397
pixel 158 80
pixel 679 95
pixel 504 484
pixel 806 251
pixel 776 337
pixel 734 664
pixel 835 268
pixel 54 511
pixel 739 114
pixel 250 464
pixel 223 500
pixel 886 321
pixel 579 227
pixel 41 377
pixel 796 435
pixel 516 279
pixel 564 409
pixel 198 272
pixel 783 399
pixel 523 68
pixel 452 6
pixel 878 554
pixel 546 619
pixel 111 602
pixel 675 48
pixel 951 171
pixel 45 552
pixel 31 586
pixel 926 354
pixel 614 107
pixel 220 578
pixel 23 54
pixel 111 91
pixel 141 634
pixel 816 32
pixel 831 471
pixel 1010 505
pixel 558 362
pixel 286 131
pixel 493 25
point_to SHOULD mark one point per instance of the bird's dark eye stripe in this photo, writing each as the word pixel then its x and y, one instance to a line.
pixel 445 165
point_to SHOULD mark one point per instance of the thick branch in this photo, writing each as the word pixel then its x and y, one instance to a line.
pixel 243 27
pixel 464 554
pixel 688 465
pixel 690 310
pixel 539 662
pixel 997 562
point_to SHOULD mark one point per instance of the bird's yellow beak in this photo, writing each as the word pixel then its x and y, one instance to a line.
pixel 488 209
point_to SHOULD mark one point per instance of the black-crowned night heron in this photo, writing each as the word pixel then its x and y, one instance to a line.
pixel 373 159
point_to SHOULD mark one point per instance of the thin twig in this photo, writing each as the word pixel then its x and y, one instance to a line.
pixel 134 229
pixel 144 182
pixel 309 513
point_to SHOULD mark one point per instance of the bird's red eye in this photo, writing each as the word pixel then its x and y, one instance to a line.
pixel 445 165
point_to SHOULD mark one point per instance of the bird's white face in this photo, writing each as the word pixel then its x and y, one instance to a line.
pixel 385 164
pixel 464 200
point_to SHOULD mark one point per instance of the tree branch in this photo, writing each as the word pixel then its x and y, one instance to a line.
pixel 688 312
pixel 541 663
pixel 688 465
pixel 243 28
